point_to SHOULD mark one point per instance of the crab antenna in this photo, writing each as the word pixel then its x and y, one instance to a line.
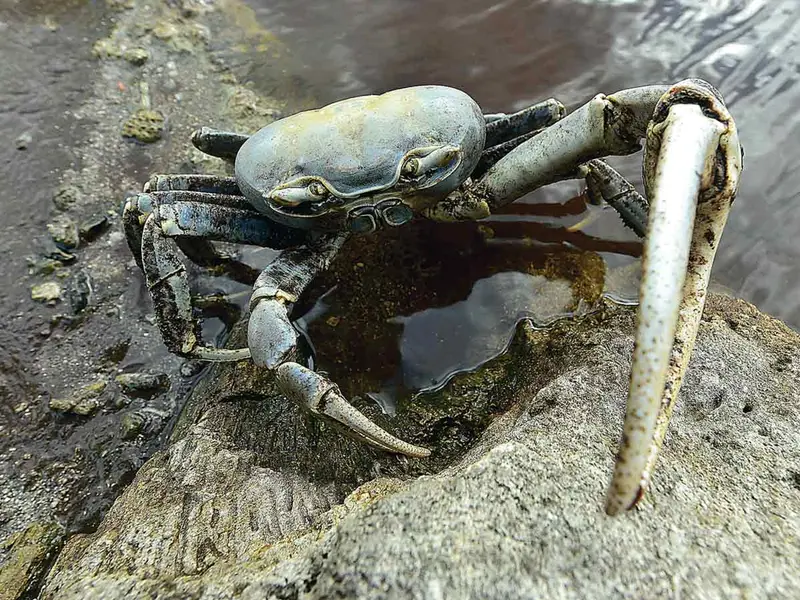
pixel 691 172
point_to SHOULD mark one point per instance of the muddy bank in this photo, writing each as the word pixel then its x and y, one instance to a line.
pixel 103 94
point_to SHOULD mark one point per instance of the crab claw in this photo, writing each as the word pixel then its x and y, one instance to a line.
pixel 692 171
pixel 321 396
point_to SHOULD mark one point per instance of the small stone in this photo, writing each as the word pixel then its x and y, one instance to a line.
pixel 145 125
pixel 83 402
pixel 117 351
pixel 86 408
pixel 66 196
pixel 143 384
pixel 136 56
pixel 50 24
pixel 91 229
pixel 42 266
pixel 106 48
pixel 79 291
pixel 49 292
pixel 131 425
pixel 190 368
pixel 165 30
pixel 64 232
pixel 61 404
pixel 23 141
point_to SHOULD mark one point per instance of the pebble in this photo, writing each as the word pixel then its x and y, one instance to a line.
pixel 23 141
pixel 143 384
pixel 49 292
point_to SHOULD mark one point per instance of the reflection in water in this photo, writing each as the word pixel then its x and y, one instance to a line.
pixel 511 53
pixel 404 309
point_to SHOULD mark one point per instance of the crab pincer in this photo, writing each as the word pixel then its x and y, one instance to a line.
pixel 692 165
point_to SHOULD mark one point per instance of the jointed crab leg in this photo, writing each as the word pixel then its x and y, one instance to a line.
pixel 222 144
pixel 692 165
pixel 272 341
pixel 691 174
pixel 156 223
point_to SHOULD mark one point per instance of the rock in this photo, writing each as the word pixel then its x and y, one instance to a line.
pixel 83 402
pixel 131 425
pixel 66 196
pixel 143 384
pixel 64 232
pixel 48 292
pixel 91 229
pixel 136 56
pixel 25 556
pixel 23 141
pixel 42 266
pixel 49 249
pixel 79 291
pixel 144 125
pixel 255 499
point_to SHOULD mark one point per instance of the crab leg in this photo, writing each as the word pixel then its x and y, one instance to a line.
pixel 691 173
pixel 273 343
pixel 692 165
pixel 154 225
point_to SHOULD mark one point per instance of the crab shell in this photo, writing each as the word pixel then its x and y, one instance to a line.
pixel 357 149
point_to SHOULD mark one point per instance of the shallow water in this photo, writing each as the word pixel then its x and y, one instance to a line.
pixel 512 53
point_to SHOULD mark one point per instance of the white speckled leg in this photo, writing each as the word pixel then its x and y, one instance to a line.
pixel 692 172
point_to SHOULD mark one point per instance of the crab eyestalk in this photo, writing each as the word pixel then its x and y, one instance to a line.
pixel 691 174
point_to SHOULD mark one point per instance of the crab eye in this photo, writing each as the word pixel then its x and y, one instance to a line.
pixel 411 167
pixel 294 195
pixel 317 189
pixel 428 166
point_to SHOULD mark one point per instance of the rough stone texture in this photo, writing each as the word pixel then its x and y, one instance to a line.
pixel 516 511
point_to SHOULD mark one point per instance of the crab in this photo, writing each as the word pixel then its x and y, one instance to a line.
pixel 307 182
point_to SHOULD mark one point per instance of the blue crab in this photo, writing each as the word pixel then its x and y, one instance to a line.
pixel 305 183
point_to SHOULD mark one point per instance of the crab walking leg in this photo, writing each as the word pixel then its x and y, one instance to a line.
pixel 604 184
pixel 273 342
pixel 322 397
pixel 606 125
pixel 166 274
pixel 691 173
pixel 502 128
pixel 192 182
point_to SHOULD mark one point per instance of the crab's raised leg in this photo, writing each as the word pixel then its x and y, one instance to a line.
pixel 506 132
pixel 222 144
pixel 501 127
pixel 692 165
pixel 273 341
pixel 170 218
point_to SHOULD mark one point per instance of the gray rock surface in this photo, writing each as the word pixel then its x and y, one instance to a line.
pixel 514 511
